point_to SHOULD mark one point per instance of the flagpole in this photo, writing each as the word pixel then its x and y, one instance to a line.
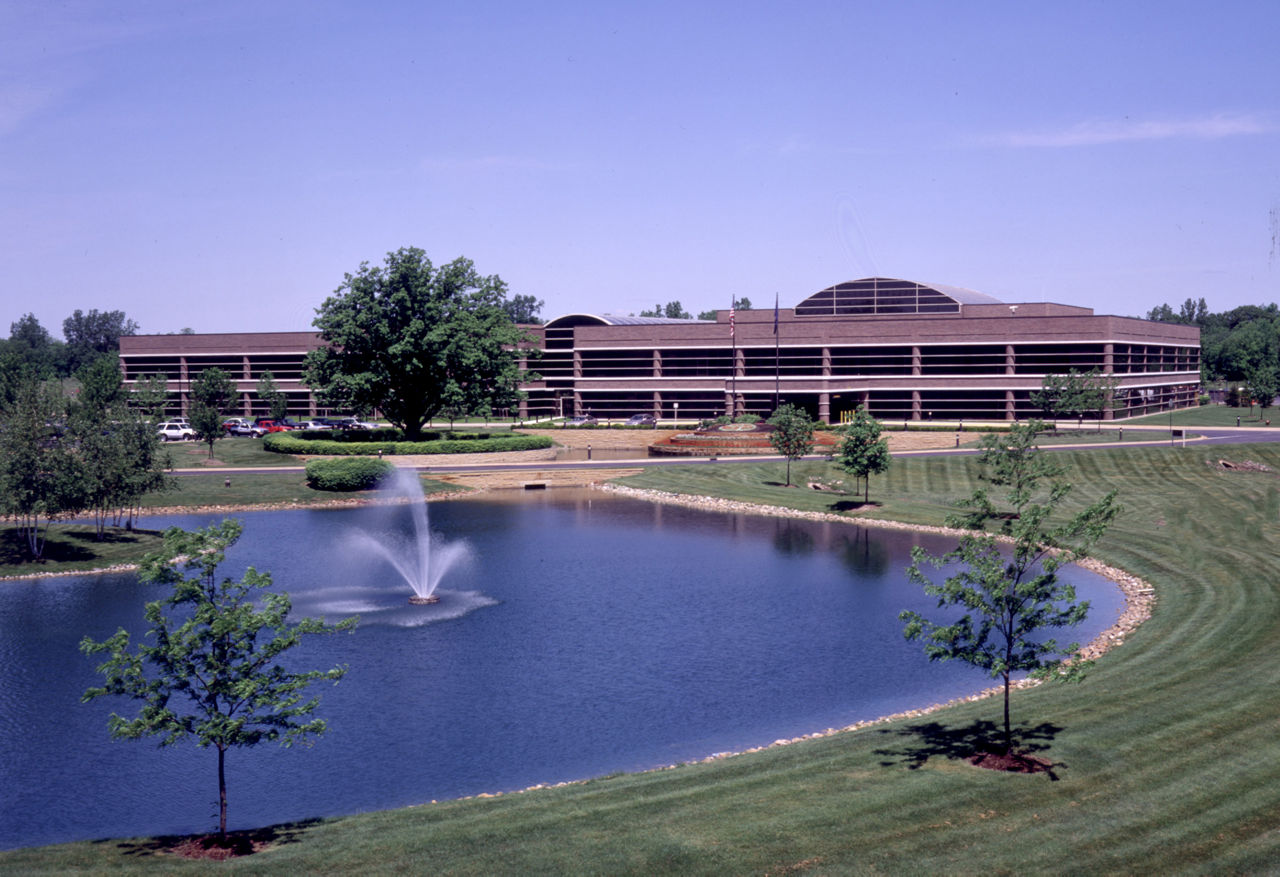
pixel 776 353
pixel 733 363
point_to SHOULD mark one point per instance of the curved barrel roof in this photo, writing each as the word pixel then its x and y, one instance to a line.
pixel 887 295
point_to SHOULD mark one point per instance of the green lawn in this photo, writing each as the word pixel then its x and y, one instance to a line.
pixel 75 547
pixel 209 489
pixel 231 451
pixel 1212 415
pixel 1166 758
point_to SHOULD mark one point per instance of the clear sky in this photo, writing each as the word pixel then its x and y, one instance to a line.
pixel 221 165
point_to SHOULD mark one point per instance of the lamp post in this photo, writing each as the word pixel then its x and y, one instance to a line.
pixel 676 417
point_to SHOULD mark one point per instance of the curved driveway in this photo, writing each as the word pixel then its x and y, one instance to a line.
pixel 1151 436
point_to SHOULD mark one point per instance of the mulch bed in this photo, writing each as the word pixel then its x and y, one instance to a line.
pixel 212 846
pixel 1011 762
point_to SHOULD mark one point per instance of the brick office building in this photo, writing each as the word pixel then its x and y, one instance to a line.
pixel 906 350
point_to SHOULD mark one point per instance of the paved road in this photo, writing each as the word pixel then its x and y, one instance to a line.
pixel 1137 436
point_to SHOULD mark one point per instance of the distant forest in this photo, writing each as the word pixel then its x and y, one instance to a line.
pixel 1239 346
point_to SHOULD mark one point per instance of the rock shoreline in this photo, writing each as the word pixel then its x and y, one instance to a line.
pixel 1139 600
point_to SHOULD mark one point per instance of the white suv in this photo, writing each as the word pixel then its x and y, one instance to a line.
pixel 172 431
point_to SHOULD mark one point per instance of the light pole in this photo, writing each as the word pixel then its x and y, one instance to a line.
pixel 676 417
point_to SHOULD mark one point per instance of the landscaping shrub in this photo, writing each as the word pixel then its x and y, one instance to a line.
pixel 354 473
pixel 288 443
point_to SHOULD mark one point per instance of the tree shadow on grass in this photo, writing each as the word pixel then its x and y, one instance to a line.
pixel 240 842
pixel 970 743
pixel 848 505
pixel 64 545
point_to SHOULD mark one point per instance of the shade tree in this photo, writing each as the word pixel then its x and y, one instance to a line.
pixel 412 339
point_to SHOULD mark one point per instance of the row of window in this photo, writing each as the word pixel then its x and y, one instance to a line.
pixel 885 405
pixel 877 361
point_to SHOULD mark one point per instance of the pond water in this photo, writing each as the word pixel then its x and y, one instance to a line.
pixel 586 634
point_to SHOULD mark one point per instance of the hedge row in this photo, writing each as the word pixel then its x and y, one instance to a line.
pixel 353 473
pixel 285 443
pixel 384 434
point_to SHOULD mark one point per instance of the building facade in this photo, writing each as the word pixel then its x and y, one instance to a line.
pixel 905 350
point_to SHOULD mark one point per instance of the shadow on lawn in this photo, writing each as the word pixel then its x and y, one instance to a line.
pixel 846 505
pixel 64 545
pixel 241 842
pixel 969 742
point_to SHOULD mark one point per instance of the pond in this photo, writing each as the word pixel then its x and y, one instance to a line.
pixel 585 634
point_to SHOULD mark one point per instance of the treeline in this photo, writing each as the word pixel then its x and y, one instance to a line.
pixel 86 337
pixel 81 448
pixel 1237 347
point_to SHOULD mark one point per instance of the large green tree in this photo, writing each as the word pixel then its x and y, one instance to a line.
pixel 32 343
pixel 1010 599
pixel 863 452
pixel 524 309
pixel 209 669
pixel 93 334
pixel 412 339
pixel 792 434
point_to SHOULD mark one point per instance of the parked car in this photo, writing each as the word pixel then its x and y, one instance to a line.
pixel 241 426
pixel 266 424
pixel 352 423
pixel 315 425
pixel 582 420
pixel 641 420
pixel 172 431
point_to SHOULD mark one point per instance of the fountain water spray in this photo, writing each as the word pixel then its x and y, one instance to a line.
pixel 421 560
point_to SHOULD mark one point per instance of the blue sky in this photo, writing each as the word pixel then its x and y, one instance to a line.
pixel 220 166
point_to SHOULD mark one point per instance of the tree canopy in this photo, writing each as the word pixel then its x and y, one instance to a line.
pixel 742 304
pixel 1009 599
pixel 411 340
pixel 524 309
pixel 93 334
pixel 863 452
pixel 672 310
pixel 792 434
pixel 211 397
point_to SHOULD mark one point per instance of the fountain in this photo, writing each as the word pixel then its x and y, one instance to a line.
pixel 420 559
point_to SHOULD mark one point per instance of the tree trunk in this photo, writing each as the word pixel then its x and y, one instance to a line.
pixel 222 791
pixel 1008 732
pixel 788 471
